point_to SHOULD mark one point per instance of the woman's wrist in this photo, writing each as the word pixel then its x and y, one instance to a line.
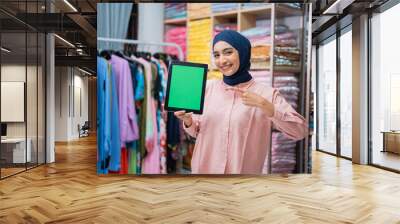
pixel 188 123
pixel 268 108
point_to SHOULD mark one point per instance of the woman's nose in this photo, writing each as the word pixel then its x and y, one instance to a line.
pixel 223 60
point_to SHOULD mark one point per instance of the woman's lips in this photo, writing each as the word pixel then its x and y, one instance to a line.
pixel 226 67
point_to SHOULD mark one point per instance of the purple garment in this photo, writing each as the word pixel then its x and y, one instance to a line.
pixel 127 114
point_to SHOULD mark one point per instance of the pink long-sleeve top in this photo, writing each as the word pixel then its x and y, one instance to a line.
pixel 233 138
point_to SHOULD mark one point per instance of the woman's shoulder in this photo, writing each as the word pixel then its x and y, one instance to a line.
pixel 212 83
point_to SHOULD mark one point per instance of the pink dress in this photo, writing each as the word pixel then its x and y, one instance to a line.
pixel 232 138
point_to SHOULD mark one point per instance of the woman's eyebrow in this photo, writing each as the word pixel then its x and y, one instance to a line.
pixel 229 48
pixel 225 49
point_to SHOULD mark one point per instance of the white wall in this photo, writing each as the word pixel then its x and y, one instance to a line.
pixel 62 83
pixel 68 81
pixel 50 96
pixel 151 25
pixel 12 73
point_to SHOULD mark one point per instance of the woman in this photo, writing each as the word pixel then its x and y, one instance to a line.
pixel 234 132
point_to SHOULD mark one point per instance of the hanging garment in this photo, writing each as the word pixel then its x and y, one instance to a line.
pixel 132 155
pixel 151 162
pixel 115 157
pixel 141 105
pixel 124 161
pixel 103 116
pixel 127 113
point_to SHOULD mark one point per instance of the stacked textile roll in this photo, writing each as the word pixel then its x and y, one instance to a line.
pixel 283 148
pixel 287 56
pixel 262 76
pixel 261 45
pixel 286 51
pixel 175 10
pixel 198 10
pixel 288 86
pixel 218 28
pixel 283 153
pixel 176 35
pixel 223 7
pixel 199 41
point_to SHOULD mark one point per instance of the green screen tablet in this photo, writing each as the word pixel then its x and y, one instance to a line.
pixel 186 87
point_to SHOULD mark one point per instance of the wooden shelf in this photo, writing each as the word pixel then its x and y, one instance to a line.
pixel 200 17
pixel 284 10
pixel 257 10
pixel 268 68
pixel 283 68
pixel 229 14
pixel 179 21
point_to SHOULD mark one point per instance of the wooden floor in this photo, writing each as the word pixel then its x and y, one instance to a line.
pixel 387 159
pixel 69 191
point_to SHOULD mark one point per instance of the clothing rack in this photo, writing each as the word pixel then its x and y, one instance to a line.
pixel 129 41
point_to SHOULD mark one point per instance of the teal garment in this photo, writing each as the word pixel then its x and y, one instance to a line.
pixel 139 90
pixel 103 116
pixel 115 160
pixel 132 149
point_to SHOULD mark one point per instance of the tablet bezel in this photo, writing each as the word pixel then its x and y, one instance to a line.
pixel 205 70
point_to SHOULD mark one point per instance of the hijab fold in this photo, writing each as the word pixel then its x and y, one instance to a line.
pixel 243 46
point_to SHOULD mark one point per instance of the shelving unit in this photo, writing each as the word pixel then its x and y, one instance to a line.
pixel 175 22
pixel 247 18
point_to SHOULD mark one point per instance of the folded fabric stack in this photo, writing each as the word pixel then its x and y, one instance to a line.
pixel 260 51
pixel 254 5
pixel 283 153
pixel 283 148
pixel 223 7
pixel 262 76
pixel 199 39
pixel 287 56
pixel 175 10
pixel 288 86
pixel 218 28
pixel 176 35
pixel 286 51
pixel 286 39
pixel 198 10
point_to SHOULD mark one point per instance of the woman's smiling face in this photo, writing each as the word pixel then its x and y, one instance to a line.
pixel 226 58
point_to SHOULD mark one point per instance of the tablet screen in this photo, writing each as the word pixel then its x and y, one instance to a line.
pixel 186 86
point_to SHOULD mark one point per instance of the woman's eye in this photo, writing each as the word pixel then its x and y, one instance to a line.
pixel 227 52
pixel 216 55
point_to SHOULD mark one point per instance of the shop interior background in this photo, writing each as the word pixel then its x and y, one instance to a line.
pixel 280 62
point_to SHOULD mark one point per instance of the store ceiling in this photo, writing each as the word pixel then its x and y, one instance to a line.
pixel 332 15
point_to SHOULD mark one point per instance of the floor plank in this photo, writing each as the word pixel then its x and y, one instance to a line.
pixel 69 191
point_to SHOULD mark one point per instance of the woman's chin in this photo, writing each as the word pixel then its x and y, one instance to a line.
pixel 226 73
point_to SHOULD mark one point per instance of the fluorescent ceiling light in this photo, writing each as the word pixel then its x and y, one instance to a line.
pixel 65 41
pixel 5 49
pixel 86 72
pixel 70 5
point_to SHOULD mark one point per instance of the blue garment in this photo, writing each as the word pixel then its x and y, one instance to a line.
pixel 103 116
pixel 133 67
pixel 115 161
pixel 139 90
pixel 243 46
